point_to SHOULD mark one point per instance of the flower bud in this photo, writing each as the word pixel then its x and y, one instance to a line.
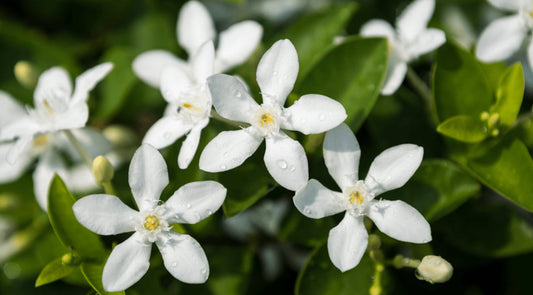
pixel 70 259
pixel 102 170
pixel 25 73
pixel 434 269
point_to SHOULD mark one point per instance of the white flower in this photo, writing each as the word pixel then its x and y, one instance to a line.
pixel 284 157
pixel 504 36
pixel 183 257
pixel 411 40
pixel 389 170
pixel 194 28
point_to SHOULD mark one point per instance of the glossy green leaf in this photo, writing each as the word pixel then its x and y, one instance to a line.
pixel 463 128
pixel 54 271
pixel 93 274
pixel 312 34
pixel 459 86
pixel 494 230
pixel 493 74
pixel 351 73
pixel 506 167
pixel 118 84
pixel 67 228
pixel 301 230
pixel 509 95
pixel 320 276
pixel 437 188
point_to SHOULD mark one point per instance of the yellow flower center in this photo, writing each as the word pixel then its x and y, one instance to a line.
pixel 151 222
pixel 357 198
pixel 267 119
pixel 189 106
pixel 41 140
pixel 48 108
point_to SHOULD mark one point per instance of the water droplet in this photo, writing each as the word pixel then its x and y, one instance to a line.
pixel 209 212
pixel 275 73
pixel 188 206
pixel 203 270
pixel 322 117
pixel 174 264
pixel 307 211
pixel 238 94
pixel 225 154
pixel 292 168
pixel 222 166
pixel 282 164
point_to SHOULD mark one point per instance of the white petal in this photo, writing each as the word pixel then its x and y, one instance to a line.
pixel 54 81
pixel 148 176
pixel 347 242
pixel 231 98
pixel 75 116
pixel 20 148
pixel 341 155
pixel 393 167
pixel 174 81
pixel 25 126
pixel 167 130
pixel 203 62
pixel 414 19
pixel 11 109
pixel 395 76
pixel 10 172
pixel 228 150
pixel 92 140
pixel 314 113
pixel 50 163
pixel 399 220
pixel 128 262
pixel 316 201
pixel 194 26
pixel 79 178
pixel 88 79
pixel 277 71
pixel 530 54
pixel 149 65
pixel 286 161
pixel 426 41
pixel 184 258
pixel 195 201
pixel 190 144
pixel 104 214
pixel 236 44
pixel 501 39
pixel 511 5
pixel 378 28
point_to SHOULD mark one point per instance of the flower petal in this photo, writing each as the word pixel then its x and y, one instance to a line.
pixel 277 71
pixel 148 176
pixel 228 150
pixel 231 98
pixel 52 82
pixel 414 19
pixel 167 130
pixel 75 116
pixel 20 148
pixel 286 161
pixel 194 26
pixel 10 172
pixel 11 109
pixel 49 164
pixel 316 201
pixel 341 155
pixel 92 140
pixel 149 65
pixel 378 28
pixel 426 41
pixel 190 144
pixel 236 44
pixel 399 220
pixel 511 5
pixel 195 201
pixel 347 242
pixel 393 167
pixel 174 81
pixel 203 62
pixel 79 178
pixel 88 79
pixel 104 214
pixel 128 262
pixel 303 114
pixel 501 39
pixel 395 75
pixel 530 54
pixel 184 258
pixel 25 126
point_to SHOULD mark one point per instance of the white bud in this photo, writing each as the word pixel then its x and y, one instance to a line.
pixel 434 269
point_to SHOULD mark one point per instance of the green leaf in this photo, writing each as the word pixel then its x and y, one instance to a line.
pixel 67 228
pixel 312 34
pixel 54 271
pixel 118 84
pixel 493 74
pixel 459 86
pixel 493 230
pixel 320 276
pixel 509 95
pixel 437 188
pixel 506 167
pixel 301 230
pixel 463 128
pixel 351 73
pixel 93 274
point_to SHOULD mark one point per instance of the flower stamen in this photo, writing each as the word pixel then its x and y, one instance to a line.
pixel 267 120
pixel 48 108
pixel 151 223
pixel 357 197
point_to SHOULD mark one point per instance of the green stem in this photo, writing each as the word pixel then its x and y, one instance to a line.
pixel 109 189
pixel 401 261
pixel 79 148
pixel 217 117
pixel 424 92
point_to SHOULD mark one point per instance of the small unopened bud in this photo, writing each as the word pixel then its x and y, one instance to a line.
pixel 70 259
pixel 434 269
pixel 102 170
pixel 493 121
pixel 25 74
pixel 484 116
pixel 374 242
pixel 495 132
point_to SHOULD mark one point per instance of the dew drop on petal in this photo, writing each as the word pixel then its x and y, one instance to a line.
pixel 307 211
pixel 222 166
pixel 225 155
pixel 174 264
pixel 203 271
pixel 292 168
pixel 209 212
pixel 238 94
pixel 188 206
pixel 282 164
pixel 322 117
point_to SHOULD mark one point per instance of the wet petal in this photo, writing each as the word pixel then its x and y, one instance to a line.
pixel 378 28
pixel 203 62
pixel 426 41
pixel 316 201
pixel 236 44
pixel 194 26
pixel 174 81
pixel 347 242
pixel 286 161
pixel 190 144
pixel 303 114
pixel 52 82
pixel 149 65
pixel 10 172
pixel 511 5
pixel 395 76
pixel 167 130
pixel 88 80
pixel 50 163
pixel 414 19
pixel 341 155
pixel 501 39
pixel 231 98
pixel 11 109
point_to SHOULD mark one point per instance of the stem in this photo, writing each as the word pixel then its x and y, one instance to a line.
pixel 400 261
pixel 217 117
pixel 79 148
pixel 108 188
pixel 424 92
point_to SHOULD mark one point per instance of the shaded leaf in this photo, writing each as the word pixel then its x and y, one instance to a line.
pixel 54 271
pixel 463 128
pixel 93 274
pixel 509 95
